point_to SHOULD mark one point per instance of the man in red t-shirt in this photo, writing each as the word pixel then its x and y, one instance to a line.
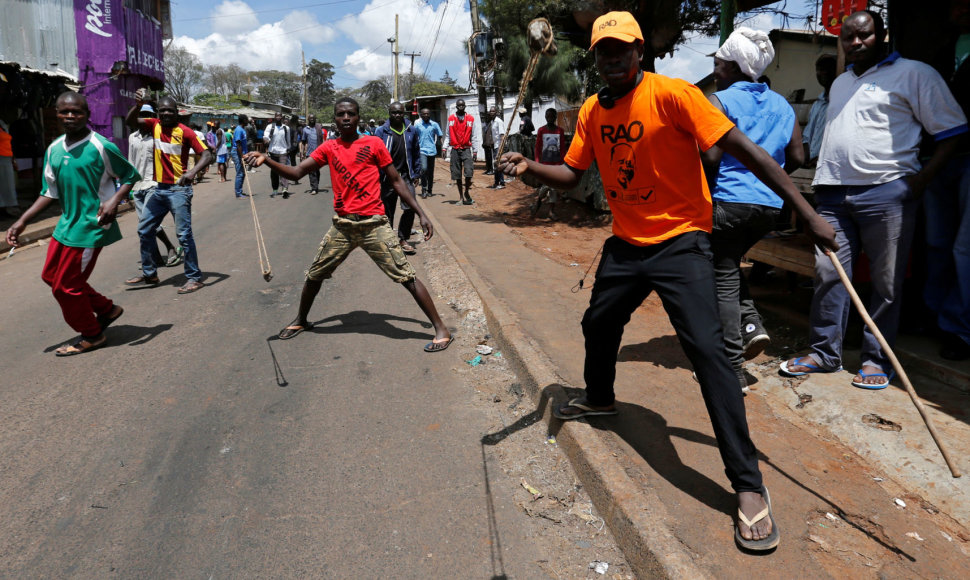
pixel 461 133
pixel 550 150
pixel 356 162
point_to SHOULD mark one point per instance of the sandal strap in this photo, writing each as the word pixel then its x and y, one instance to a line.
pixel 757 518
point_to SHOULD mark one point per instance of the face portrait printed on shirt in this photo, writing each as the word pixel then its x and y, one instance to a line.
pixel 623 162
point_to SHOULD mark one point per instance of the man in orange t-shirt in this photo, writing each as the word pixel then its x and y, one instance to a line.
pixel 643 131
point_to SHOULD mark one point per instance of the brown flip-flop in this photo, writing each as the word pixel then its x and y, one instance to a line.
pixel 293 330
pixel 105 320
pixel 80 347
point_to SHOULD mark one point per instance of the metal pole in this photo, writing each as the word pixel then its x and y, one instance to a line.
pixel 411 73
pixel 306 110
pixel 479 74
pixel 729 10
pixel 396 17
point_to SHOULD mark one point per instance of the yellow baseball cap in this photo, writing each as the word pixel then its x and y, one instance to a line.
pixel 619 25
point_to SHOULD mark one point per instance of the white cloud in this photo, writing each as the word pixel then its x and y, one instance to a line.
pixel 690 62
pixel 418 26
pixel 257 46
pixel 234 16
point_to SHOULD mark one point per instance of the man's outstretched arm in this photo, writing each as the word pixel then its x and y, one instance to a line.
pixel 557 176
pixel 255 159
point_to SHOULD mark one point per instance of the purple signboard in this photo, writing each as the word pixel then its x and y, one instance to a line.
pixel 108 34
pixel 99 26
pixel 143 38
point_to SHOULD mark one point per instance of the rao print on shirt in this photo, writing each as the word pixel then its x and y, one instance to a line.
pixel 623 164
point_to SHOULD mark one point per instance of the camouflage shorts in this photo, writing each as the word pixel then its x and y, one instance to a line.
pixel 374 235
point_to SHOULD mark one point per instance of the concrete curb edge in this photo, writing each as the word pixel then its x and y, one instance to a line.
pixel 636 518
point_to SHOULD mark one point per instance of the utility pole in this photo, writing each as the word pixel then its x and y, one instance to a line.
pixel 411 73
pixel 396 52
pixel 306 110
pixel 479 74
pixel 729 9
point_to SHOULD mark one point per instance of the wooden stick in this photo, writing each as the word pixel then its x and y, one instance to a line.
pixel 895 362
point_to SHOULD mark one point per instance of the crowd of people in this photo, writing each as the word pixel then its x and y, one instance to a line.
pixel 692 182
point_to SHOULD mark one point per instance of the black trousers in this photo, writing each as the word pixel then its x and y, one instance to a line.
pixel 389 196
pixel 680 270
pixel 488 157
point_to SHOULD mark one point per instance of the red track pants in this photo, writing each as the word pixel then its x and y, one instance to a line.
pixel 66 271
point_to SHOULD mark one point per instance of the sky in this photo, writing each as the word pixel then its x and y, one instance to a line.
pixel 353 36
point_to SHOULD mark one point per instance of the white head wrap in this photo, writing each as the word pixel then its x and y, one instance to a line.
pixel 751 49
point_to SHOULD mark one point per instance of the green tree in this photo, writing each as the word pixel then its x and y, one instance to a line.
pixel 278 87
pixel 447 80
pixel 183 73
pixel 426 88
pixel 320 92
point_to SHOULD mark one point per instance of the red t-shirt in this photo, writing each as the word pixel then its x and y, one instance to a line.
pixel 460 131
pixel 355 173
pixel 172 148
pixel 550 145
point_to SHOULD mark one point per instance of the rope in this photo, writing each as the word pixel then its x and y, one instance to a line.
pixel 530 69
pixel 264 264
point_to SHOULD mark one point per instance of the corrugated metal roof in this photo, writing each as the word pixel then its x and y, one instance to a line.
pixel 39 34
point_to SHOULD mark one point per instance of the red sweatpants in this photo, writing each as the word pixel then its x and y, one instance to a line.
pixel 66 271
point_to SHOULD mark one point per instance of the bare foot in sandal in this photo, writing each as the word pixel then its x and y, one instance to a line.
pixel 294 328
pixel 83 345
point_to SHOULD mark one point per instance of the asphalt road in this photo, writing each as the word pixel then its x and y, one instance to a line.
pixel 197 445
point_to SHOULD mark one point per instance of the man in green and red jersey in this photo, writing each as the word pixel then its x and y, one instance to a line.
pixel 80 170
pixel 174 142
pixel 356 162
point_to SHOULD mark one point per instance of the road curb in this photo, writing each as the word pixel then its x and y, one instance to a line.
pixel 636 517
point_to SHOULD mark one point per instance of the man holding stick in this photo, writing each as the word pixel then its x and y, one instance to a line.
pixel 356 162
pixel 643 130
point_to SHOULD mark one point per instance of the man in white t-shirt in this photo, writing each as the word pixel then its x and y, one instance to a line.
pixel 868 184
pixel 278 138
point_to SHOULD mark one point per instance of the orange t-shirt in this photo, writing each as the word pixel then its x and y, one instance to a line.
pixel 646 151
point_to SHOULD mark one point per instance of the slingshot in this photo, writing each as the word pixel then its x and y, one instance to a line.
pixel 264 264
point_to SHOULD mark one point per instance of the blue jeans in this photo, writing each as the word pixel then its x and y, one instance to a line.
pixel 240 171
pixel 499 179
pixel 947 205
pixel 427 173
pixel 880 220
pixel 162 200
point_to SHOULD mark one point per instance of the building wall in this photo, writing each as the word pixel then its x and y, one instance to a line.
pixel 793 69
pixel 39 34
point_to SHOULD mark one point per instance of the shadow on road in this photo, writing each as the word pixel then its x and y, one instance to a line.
pixel 123 334
pixel 362 322
pixel 178 280
pixel 662 351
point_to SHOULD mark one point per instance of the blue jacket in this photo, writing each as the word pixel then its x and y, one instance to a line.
pixel 411 146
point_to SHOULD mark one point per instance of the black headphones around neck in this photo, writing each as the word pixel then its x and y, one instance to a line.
pixel 606 99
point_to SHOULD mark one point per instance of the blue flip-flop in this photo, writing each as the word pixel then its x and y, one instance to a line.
pixel 874 387
pixel 799 362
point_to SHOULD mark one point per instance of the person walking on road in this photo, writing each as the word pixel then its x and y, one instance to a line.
pixel 174 142
pixel 240 147
pixel 401 141
pixel 491 140
pixel 355 163
pixel 643 131
pixel 141 154
pixel 9 207
pixel 313 136
pixel 745 209
pixel 278 138
pixel 461 129
pixel 868 185
pixel 550 150
pixel 80 171
pixel 428 134
pixel 221 151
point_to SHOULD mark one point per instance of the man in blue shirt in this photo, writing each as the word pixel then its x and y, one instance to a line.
pixel 815 128
pixel 745 209
pixel 311 137
pixel 240 147
pixel 428 134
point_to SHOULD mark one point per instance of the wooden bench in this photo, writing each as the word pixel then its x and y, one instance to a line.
pixel 794 253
